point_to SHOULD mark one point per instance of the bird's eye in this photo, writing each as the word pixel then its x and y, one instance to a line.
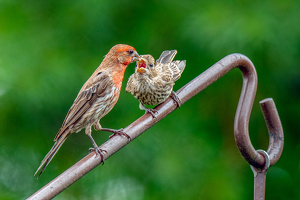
pixel 151 65
pixel 130 51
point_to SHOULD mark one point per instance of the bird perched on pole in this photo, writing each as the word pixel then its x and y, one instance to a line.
pixel 152 83
pixel 95 99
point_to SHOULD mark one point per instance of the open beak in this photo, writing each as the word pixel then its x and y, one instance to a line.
pixel 135 57
pixel 141 66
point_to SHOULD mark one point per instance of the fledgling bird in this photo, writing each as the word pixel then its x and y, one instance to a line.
pixel 95 99
pixel 152 83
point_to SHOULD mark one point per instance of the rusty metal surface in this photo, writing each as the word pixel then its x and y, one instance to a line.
pixel 185 93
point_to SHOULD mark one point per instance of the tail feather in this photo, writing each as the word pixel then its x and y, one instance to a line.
pixel 50 155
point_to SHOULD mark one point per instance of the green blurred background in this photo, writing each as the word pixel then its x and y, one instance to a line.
pixel 48 49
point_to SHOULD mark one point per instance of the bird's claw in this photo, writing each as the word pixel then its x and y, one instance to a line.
pixel 176 99
pixel 99 152
pixel 152 111
pixel 117 132
pixel 121 133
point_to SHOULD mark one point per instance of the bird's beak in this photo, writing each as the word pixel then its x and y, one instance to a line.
pixel 141 70
pixel 141 66
pixel 135 57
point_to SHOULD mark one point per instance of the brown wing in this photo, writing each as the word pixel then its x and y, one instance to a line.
pixel 85 99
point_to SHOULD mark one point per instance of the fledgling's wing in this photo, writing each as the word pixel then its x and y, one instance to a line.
pixel 177 68
pixel 169 57
pixel 98 86
pixel 162 55
pixel 181 65
pixel 166 56
pixel 165 72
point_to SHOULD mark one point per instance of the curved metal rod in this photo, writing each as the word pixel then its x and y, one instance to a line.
pixel 276 138
pixel 195 86
pixel 242 116
pixel 241 122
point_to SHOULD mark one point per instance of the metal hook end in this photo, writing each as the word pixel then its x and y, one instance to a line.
pixel 266 166
pixel 276 138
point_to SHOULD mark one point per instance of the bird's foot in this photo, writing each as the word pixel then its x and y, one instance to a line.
pixel 176 99
pixel 117 132
pixel 99 152
pixel 152 111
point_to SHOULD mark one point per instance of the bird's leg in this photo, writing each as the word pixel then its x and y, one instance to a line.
pixel 97 126
pixel 116 132
pixel 175 98
pixel 152 111
pixel 98 151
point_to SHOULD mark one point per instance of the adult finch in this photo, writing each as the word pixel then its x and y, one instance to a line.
pixel 152 83
pixel 95 99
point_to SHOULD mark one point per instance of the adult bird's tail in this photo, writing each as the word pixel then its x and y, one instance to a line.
pixel 58 142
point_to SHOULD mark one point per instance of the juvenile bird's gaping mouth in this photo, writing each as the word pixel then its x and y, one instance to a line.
pixel 141 66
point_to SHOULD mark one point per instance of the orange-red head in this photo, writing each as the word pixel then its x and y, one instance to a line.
pixel 125 54
pixel 116 61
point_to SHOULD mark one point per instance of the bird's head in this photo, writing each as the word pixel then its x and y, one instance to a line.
pixel 125 54
pixel 145 64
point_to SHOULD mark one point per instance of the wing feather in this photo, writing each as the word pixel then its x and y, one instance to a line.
pixel 166 56
pixel 85 99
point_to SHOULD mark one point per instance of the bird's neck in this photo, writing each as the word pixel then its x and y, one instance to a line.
pixel 118 75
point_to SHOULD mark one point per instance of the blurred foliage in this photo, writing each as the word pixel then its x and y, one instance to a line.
pixel 48 49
